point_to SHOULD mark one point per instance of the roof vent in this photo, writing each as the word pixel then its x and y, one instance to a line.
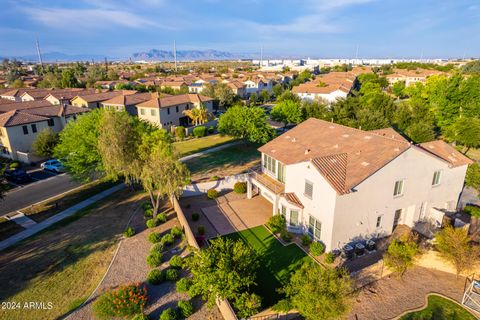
pixel 345 135
pixel 332 127
pixel 294 140
pixel 367 137
pixel 336 146
pixel 364 163
pixel 431 147
pixel 307 151
pixel 287 137
pixel 358 152
pixel 396 149
pixel 273 150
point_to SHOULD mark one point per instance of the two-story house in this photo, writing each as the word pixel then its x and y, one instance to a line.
pixel 340 184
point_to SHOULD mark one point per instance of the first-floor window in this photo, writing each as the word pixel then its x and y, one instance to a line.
pixel 314 227
pixel 294 217
pixel 379 221
pixel 25 129
pixel 436 178
pixel 283 210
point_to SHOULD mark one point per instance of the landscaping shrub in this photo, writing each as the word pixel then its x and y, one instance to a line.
pixel 129 232
pixel 146 206
pixel 148 213
pixel 240 187
pixel 195 216
pixel 214 178
pixel 161 217
pixel 152 223
pixel 211 129
pixel 188 205
pixel 180 132
pixel 183 285
pixel 474 211
pixel 185 307
pixel 154 259
pixel 176 262
pixel 176 232
pixel 212 194
pixel 167 239
pixel 316 248
pixel 140 316
pixel 155 277
pixel 171 274
pixel 125 301
pixel 199 131
pixel 169 314
pixel 201 230
pixel 157 247
pixel 14 165
pixel 286 236
pixel 277 223
pixel 306 240
pixel 329 257
pixel 154 237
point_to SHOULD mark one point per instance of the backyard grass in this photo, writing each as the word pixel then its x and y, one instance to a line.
pixel 277 262
pixel 64 264
pixel 8 228
pixel 199 144
pixel 231 160
pixel 55 205
pixel 439 308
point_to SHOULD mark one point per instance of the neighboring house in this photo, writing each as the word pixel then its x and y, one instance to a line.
pixel 411 76
pixel 340 184
pixel 127 102
pixel 327 93
pixel 93 101
pixel 64 97
pixel 14 94
pixel 237 87
pixel 196 87
pixel 256 85
pixel 177 85
pixel 168 111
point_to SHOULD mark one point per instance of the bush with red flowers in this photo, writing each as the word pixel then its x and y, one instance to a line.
pixel 126 300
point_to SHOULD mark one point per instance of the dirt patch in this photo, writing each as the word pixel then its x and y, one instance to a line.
pixel 391 296
pixel 8 228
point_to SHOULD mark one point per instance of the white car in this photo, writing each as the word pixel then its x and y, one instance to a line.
pixel 53 165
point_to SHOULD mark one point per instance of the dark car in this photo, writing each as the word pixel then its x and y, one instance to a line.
pixel 17 175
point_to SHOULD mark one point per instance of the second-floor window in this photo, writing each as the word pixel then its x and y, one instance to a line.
pixel 269 163
pixel 142 112
pixel 51 122
pixel 398 189
pixel 436 178
pixel 281 172
pixel 25 129
pixel 168 110
pixel 379 222
pixel 308 192
pixel 152 112
pixel 34 128
pixel 176 108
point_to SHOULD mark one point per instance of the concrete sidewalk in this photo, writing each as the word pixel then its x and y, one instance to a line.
pixel 201 153
pixel 60 216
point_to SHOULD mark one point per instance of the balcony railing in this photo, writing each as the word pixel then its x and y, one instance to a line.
pixel 267 181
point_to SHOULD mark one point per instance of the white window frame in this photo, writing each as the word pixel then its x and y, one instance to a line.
pixel 297 212
pixel 311 230
pixel 269 164
pixel 402 188
pixel 437 178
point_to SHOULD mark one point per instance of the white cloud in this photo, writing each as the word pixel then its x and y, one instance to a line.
pixel 77 19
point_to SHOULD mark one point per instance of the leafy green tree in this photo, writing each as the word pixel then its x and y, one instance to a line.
pixel 253 99
pixel 288 95
pixel 400 255
pixel 472 178
pixel 224 95
pixel 456 247
pixel 277 90
pixel 265 95
pixel 287 112
pixel 78 147
pixel 68 79
pixel 224 270
pixel 315 109
pixel 420 132
pixel 17 84
pixel 246 123
pixel 398 88
pixel 465 131
pixel 318 292
pixel 45 143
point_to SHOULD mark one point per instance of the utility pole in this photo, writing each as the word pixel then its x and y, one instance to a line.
pixel 175 54
pixel 106 65
pixel 261 57
pixel 39 54
pixel 356 56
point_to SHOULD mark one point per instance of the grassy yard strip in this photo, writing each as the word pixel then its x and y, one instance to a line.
pixel 439 308
pixel 8 228
pixel 195 145
pixel 64 264
pixel 46 209
pixel 224 162
pixel 277 262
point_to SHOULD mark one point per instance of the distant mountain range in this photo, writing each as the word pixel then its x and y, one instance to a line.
pixel 155 54
pixel 61 57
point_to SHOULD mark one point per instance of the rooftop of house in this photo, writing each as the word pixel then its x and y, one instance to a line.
pixel 6 107
pixel 319 88
pixel 15 118
pixel 129 99
pixel 346 156
pixel 417 73
pixel 102 96
pixel 57 110
pixel 163 102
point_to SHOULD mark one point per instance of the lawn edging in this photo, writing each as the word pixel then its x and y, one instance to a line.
pixel 426 305
pixel 90 298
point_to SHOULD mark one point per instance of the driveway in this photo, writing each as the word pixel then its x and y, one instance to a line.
pixel 237 215
pixel 44 186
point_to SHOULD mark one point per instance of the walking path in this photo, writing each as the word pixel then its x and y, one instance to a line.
pixel 22 220
pixel 201 153
pixel 33 229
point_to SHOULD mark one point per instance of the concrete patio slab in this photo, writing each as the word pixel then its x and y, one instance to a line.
pixel 237 215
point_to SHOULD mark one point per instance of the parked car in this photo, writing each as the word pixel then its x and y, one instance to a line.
pixel 17 175
pixel 53 165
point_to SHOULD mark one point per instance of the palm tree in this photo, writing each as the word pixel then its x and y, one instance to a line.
pixel 198 115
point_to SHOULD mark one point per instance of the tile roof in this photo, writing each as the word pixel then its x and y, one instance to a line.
pixel 5 107
pixel 15 118
pixel 292 198
pixel 446 152
pixel 389 133
pixel 350 154
pixel 57 110
pixel 102 96
pixel 70 94
pixel 129 99
pixel 163 102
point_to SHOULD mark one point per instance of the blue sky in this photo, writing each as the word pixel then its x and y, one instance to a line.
pixel 315 28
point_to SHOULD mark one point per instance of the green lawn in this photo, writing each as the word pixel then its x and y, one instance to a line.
pixel 277 262
pixel 199 144
pixel 228 161
pixel 440 309
pixel 55 205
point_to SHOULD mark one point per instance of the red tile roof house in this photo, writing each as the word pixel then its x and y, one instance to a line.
pixel 338 184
